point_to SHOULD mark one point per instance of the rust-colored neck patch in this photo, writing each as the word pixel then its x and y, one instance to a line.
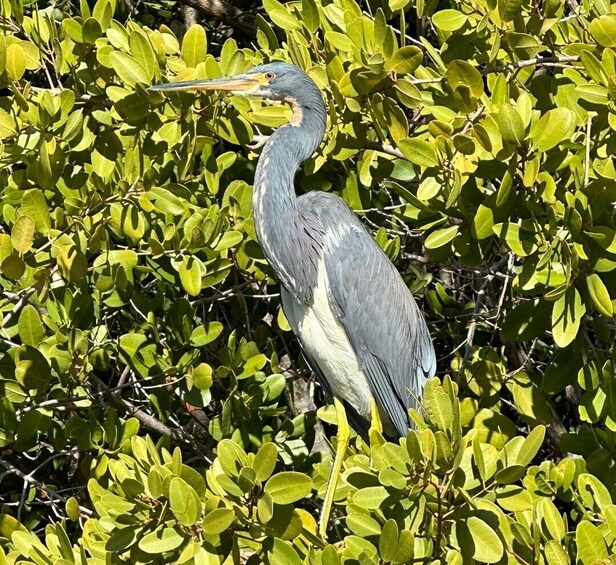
pixel 298 115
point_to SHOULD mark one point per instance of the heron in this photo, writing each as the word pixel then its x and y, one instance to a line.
pixel 357 323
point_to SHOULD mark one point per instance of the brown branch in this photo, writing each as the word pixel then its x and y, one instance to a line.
pixel 150 422
pixel 225 13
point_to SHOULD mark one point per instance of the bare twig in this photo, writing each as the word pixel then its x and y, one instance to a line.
pixel 470 334
pixel 587 159
pixel 225 13
pixel 53 495
pixel 545 61
pixel 150 422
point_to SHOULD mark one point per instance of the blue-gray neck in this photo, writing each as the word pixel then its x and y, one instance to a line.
pixel 291 242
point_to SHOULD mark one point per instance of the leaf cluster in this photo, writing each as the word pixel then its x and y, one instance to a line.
pixel 154 406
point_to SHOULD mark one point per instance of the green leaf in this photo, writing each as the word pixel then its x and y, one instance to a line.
pixel 552 518
pixel 509 9
pixel 370 498
pixel 510 124
pixel 437 405
pixel 31 368
pixel 593 492
pixel 72 509
pixel 555 554
pixel 363 525
pixel 419 152
pixel 288 487
pixel 593 67
pixel 554 126
pixel 404 60
pixel 603 30
pixel 530 447
pixel 205 333
pixel 265 461
pixel 33 204
pixel 218 520
pixel 194 46
pixel 339 41
pixel 29 326
pixel 591 546
pixel 449 20
pixel 8 127
pixel 72 264
pixel 22 234
pixel 128 69
pixel 442 237
pixel 479 540
pixel 161 540
pixel 184 501
pixel 388 541
pixel 310 15
pixel 202 376
pixel 566 317
pixel 142 51
pixel 228 239
pixel 15 61
pixel 514 498
pixel 460 73
pixel 483 222
pixel 282 553
pixel 166 201
pixel 191 273
pixel 599 295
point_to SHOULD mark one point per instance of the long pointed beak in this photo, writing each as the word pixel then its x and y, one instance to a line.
pixel 238 83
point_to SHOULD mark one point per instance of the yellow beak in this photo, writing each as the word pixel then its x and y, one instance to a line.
pixel 238 83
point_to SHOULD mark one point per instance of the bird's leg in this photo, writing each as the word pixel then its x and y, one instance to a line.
pixel 375 418
pixel 341 445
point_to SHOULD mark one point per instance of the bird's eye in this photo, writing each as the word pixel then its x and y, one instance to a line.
pixel 270 75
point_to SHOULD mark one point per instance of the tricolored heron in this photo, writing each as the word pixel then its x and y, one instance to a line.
pixel 358 325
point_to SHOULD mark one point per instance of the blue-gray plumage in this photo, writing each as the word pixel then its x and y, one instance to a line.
pixel 358 324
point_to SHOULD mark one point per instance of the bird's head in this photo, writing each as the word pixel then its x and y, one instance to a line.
pixel 274 81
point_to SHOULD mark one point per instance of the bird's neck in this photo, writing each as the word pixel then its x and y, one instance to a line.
pixel 279 225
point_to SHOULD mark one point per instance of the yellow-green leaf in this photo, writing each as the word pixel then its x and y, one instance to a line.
pixel 22 234
pixel 288 487
pixel 8 127
pixel 603 30
pixel 600 295
pixel 33 204
pixel 566 317
pixel 553 128
pixel 510 124
pixel 194 46
pixel 128 69
pixel 449 20
pixel 441 237
pixel 29 326
pixel 419 152
pixel 191 273
pixel 15 61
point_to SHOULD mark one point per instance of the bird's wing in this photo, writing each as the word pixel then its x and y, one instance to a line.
pixel 378 312
pixel 358 422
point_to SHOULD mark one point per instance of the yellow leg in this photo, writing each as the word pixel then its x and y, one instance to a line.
pixel 375 417
pixel 341 446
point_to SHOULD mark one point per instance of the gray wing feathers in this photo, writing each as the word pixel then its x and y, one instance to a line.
pixel 374 305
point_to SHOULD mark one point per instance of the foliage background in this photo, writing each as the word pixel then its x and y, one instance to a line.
pixel 154 407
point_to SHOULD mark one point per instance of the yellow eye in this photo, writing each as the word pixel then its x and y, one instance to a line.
pixel 270 75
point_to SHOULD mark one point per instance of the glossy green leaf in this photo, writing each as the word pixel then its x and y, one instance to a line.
pixel 566 317
pixel 288 487
pixel 128 69
pixel 29 326
pixel 194 46
pixel 449 20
